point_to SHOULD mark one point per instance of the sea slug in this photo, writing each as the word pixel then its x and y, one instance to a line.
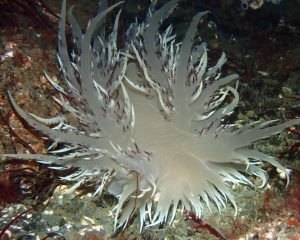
pixel 149 119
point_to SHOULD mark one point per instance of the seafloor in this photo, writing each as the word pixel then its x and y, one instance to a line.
pixel 263 47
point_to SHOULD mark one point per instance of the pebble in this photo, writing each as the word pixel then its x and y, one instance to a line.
pixel 55 229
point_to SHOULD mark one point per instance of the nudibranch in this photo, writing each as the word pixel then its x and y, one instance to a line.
pixel 148 119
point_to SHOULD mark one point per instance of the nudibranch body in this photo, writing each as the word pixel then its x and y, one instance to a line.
pixel 149 119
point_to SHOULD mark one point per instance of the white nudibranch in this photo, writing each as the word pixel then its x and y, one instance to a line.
pixel 149 119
